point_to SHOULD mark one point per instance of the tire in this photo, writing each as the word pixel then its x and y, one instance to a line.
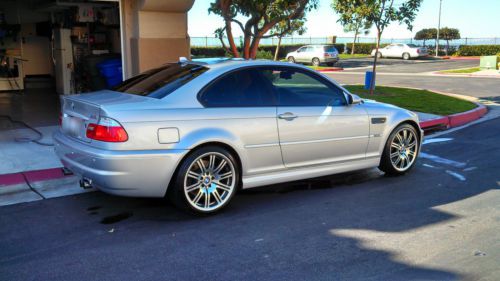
pixel 406 56
pixel 206 190
pixel 315 62
pixel 400 151
pixel 379 55
pixel 291 59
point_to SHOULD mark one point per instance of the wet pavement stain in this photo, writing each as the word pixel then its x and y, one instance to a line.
pixel 116 218
pixel 94 208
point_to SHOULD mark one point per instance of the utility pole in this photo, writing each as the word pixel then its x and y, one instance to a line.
pixel 439 26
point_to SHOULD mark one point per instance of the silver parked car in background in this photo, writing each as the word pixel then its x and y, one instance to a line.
pixel 196 132
pixel 404 51
pixel 315 55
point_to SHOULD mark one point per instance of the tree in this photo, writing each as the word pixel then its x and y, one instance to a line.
pixel 426 34
pixel 448 34
pixel 354 17
pixel 381 13
pixel 261 16
pixel 287 27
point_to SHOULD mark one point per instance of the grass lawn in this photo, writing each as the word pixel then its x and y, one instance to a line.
pixel 355 56
pixel 464 70
pixel 414 100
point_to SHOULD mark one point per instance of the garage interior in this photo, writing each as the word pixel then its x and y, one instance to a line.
pixel 62 47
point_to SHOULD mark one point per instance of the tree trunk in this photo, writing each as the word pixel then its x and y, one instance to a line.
pixel 447 46
pixel 246 46
pixel 354 42
pixel 277 49
pixel 230 39
pixel 374 69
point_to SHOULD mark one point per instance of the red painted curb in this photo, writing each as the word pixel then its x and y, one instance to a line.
pixel 464 58
pixel 456 120
pixel 43 175
pixel 443 121
pixel 31 176
pixel 330 69
pixel 11 179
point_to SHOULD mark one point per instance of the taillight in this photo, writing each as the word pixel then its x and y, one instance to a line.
pixel 418 51
pixel 107 130
pixel 327 54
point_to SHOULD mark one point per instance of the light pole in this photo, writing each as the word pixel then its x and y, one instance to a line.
pixel 439 26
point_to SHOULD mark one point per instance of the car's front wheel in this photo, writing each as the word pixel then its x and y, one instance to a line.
pixel 206 181
pixel 400 151
pixel 291 59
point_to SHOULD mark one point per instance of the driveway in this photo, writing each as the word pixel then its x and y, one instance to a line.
pixel 439 222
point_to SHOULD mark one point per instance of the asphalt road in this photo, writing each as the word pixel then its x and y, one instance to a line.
pixel 410 66
pixel 414 74
pixel 439 222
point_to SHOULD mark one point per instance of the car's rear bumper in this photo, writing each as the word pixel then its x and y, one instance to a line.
pixel 137 173
pixel 330 59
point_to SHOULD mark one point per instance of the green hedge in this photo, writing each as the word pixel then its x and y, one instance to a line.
pixel 478 50
pixel 283 51
pixel 363 48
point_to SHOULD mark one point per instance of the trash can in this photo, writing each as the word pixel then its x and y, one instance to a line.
pixel 111 70
pixel 368 80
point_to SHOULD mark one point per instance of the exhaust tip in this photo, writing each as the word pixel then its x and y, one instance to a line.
pixel 85 183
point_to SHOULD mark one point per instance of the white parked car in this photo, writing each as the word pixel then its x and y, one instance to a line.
pixel 404 51
pixel 315 55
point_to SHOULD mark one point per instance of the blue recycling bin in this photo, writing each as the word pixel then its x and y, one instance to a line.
pixel 112 71
pixel 368 80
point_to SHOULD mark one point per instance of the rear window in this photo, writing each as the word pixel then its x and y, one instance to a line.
pixel 330 49
pixel 412 45
pixel 159 82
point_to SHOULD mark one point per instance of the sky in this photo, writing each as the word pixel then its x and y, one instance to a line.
pixel 474 19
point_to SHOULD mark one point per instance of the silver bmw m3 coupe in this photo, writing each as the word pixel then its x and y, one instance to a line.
pixel 198 131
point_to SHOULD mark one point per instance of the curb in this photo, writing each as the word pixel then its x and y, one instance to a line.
pixel 456 120
pixel 332 69
pixel 31 176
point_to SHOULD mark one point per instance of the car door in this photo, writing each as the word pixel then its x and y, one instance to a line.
pixel 300 54
pixel 316 124
pixel 241 106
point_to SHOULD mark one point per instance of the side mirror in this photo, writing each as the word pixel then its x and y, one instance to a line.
pixel 354 99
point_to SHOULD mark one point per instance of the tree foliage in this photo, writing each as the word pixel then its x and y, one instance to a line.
pixel 353 17
pixel 261 17
pixel 381 13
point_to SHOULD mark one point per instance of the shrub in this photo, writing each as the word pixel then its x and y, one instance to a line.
pixel 200 52
pixel 363 48
pixel 478 50
pixel 262 54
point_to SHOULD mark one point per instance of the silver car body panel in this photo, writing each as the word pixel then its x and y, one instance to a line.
pixel 319 141
pixel 305 54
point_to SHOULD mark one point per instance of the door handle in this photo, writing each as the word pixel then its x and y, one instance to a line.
pixel 287 116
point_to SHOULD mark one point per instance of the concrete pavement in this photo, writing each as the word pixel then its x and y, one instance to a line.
pixel 439 222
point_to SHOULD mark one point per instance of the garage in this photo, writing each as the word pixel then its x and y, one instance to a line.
pixel 53 47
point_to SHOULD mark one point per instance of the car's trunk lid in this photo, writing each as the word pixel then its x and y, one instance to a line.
pixel 78 111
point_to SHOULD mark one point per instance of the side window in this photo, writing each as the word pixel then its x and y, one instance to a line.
pixel 241 88
pixel 297 88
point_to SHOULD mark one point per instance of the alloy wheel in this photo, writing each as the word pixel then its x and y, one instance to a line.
pixel 403 150
pixel 209 182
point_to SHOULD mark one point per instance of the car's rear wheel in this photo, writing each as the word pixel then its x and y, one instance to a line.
pixel 291 59
pixel 206 181
pixel 400 151
pixel 315 62
pixel 406 56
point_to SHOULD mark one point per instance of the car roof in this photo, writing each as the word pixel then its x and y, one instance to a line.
pixel 233 63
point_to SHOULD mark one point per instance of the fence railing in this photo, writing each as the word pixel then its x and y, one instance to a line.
pixel 215 42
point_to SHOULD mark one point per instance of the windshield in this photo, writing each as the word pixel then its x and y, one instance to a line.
pixel 159 82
